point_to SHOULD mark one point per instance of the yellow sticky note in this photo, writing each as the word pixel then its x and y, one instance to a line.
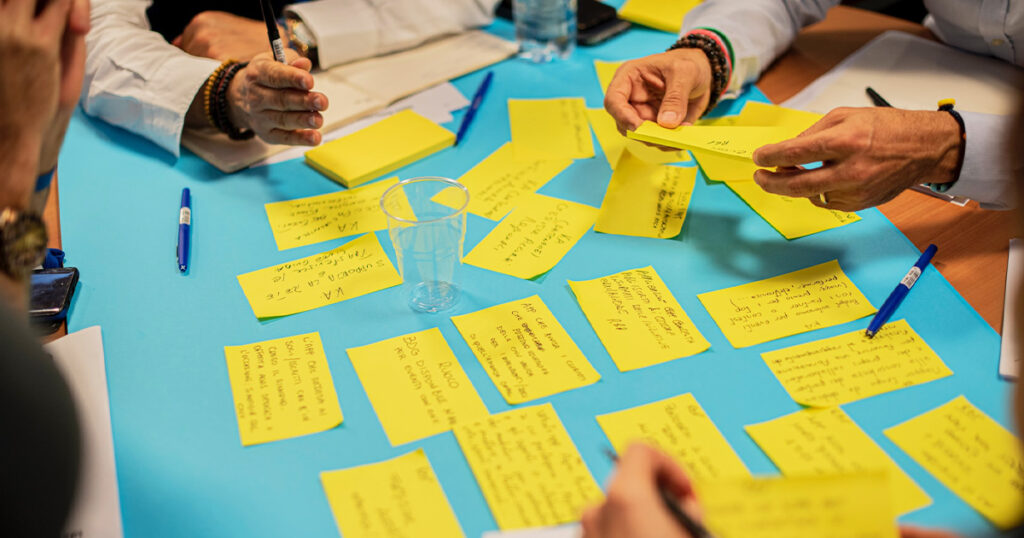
pixel 836 506
pixel 498 183
pixel 380 148
pixel 354 269
pixel 530 471
pixel 679 427
pixel 525 350
pixel 718 167
pixel 397 497
pixel 731 141
pixel 606 72
pixel 793 303
pixel 533 237
pixel 972 455
pixel 851 366
pixel 613 143
pixel 637 319
pixel 416 385
pixel 282 389
pixel 329 216
pixel 646 200
pixel 827 441
pixel 791 217
pixel 555 127
pixel 769 115
pixel 664 15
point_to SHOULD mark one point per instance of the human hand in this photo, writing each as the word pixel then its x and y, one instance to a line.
pixel 870 155
pixel 918 532
pixel 633 506
pixel 223 36
pixel 672 88
pixel 72 70
pixel 274 100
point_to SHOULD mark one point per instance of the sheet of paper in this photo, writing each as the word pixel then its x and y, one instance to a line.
pixel 96 506
pixel 613 143
pixel 354 269
pixel 525 350
pixel 605 72
pixel 679 427
pixel 416 385
pixel 791 217
pixel 1009 353
pixel 556 127
pixel 396 497
pixel 826 441
pixel 561 531
pixel 731 141
pixel 664 15
pixel 380 148
pixel 530 471
pixel 972 455
pixel 638 319
pixel 836 506
pixel 646 200
pixel 498 183
pixel 851 366
pixel 812 298
pixel 282 389
pixel 305 221
pixel 532 239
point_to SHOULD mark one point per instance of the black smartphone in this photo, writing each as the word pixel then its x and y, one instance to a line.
pixel 595 21
pixel 51 292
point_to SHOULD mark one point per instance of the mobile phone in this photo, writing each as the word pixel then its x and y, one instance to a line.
pixel 595 21
pixel 51 292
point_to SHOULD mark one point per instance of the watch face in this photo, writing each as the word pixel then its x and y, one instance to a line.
pixel 22 243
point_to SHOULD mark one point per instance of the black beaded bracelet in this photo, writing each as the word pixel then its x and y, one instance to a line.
pixel 220 107
pixel 716 57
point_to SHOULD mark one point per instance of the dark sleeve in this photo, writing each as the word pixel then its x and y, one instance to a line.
pixel 39 437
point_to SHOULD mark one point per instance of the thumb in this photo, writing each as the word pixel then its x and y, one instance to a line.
pixel 674 103
pixel 177 41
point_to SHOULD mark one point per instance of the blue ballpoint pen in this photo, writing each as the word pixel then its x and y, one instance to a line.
pixel 477 99
pixel 901 291
pixel 184 223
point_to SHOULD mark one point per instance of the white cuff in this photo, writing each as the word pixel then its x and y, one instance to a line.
pixel 988 175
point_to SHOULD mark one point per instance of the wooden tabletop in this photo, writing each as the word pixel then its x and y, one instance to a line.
pixel 972 242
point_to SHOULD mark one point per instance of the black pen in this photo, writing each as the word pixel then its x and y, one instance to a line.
pixel 877 99
pixel 272 32
pixel 694 528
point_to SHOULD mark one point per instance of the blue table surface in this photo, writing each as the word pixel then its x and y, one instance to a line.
pixel 181 468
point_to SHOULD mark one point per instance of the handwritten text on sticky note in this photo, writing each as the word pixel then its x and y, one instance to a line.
pixel 557 127
pixel 792 217
pixel 646 200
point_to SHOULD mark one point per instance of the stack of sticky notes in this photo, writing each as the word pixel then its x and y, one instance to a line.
pixel 665 15
pixel 380 148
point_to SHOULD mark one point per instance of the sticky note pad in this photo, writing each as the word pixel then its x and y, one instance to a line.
pixel 793 303
pixel 556 127
pixel 354 269
pixel 606 72
pixel 380 148
pixel 851 366
pixel 826 441
pixel 416 385
pixel 498 183
pixel 646 200
pixel 397 497
pixel 530 471
pixel 664 15
pixel 637 319
pixel 532 239
pixel 282 389
pixel 972 455
pixel 305 221
pixel 613 143
pixel 525 350
pixel 837 506
pixel 679 427
pixel 791 217
pixel 731 141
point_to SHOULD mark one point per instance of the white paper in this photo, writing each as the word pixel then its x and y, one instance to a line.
pixel 96 509
pixel 1009 354
pixel 563 531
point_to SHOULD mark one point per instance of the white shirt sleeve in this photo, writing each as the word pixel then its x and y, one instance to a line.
pixel 986 175
pixel 347 30
pixel 758 30
pixel 134 78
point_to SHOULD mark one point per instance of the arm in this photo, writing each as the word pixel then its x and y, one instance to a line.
pixel 987 176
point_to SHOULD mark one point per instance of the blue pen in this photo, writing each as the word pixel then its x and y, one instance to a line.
pixel 901 291
pixel 477 99
pixel 184 223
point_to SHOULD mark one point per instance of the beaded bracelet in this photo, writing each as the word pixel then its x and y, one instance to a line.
pixel 220 107
pixel 721 63
pixel 208 91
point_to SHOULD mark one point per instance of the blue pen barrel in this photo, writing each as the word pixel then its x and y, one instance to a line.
pixel 184 224
pixel 901 291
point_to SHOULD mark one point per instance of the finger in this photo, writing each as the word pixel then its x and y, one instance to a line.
pixel 278 75
pixel 679 90
pixel 641 463
pixel 302 63
pixel 292 138
pixel 262 98
pixel 646 111
pixel 53 19
pixel 616 102
pixel 696 108
pixel 800 150
pixel 275 119
pixel 78 20
pixel 588 523
pixel 907 531
pixel 177 42
pixel 20 11
pixel 799 183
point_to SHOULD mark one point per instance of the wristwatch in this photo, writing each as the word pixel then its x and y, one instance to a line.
pixel 22 242
pixel 301 39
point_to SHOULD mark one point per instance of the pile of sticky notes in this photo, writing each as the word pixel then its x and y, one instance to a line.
pixel 664 15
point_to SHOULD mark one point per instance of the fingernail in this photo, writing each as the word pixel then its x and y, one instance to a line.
pixel 668 117
pixel 318 103
pixel 306 84
pixel 687 123
pixel 312 121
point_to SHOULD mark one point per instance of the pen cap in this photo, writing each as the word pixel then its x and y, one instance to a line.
pixel 186 197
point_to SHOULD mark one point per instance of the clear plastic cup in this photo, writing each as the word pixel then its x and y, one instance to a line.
pixel 545 29
pixel 428 239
